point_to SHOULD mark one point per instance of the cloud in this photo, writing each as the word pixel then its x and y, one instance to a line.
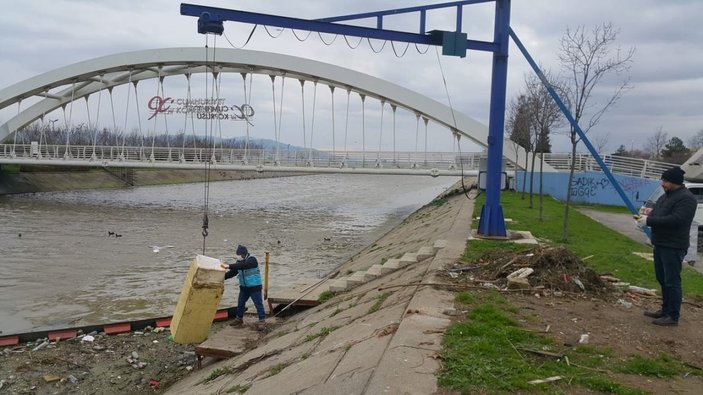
pixel 665 75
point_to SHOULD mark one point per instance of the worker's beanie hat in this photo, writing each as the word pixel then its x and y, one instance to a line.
pixel 673 175
pixel 241 250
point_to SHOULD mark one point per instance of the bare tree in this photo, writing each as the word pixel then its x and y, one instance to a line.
pixel 518 123
pixel 544 115
pixel 600 142
pixel 587 58
pixel 696 142
pixel 656 143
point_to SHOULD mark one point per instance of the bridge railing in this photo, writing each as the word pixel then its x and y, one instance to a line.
pixel 635 167
pixel 319 158
pixel 263 157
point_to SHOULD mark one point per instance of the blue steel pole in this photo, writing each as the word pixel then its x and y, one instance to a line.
pixel 492 222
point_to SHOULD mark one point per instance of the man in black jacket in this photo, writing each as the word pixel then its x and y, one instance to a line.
pixel 670 220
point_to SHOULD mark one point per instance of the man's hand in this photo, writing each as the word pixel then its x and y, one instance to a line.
pixel 641 221
pixel 224 266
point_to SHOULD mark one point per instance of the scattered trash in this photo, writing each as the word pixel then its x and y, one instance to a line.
pixel 158 329
pixel 490 286
pixel 521 273
pixel 625 303
pixel 155 342
pixel 643 291
pixel 453 274
pixel 547 380
pixel 50 378
pixel 154 384
pixel 584 338
pixel 135 355
pixel 42 345
pixel 547 328
pixel 450 312
pixel 88 338
pixel 72 379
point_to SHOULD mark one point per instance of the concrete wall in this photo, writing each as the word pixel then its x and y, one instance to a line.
pixel 591 187
pixel 99 178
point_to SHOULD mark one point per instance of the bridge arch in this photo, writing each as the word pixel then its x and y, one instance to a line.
pixel 90 76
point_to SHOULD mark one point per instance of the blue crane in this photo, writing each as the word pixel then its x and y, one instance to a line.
pixel 453 43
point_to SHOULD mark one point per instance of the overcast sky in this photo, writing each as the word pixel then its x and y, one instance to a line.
pixel 37 36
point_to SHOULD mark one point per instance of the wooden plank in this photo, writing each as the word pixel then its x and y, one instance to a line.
pixel 306 292
pixel 228 342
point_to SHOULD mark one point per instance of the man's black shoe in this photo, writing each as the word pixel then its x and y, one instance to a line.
pixel 655 314
pixel 665 321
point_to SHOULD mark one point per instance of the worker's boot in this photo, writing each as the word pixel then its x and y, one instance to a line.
pixel 655 314
pixel 665 321
pixel 261 326
pixel 237 322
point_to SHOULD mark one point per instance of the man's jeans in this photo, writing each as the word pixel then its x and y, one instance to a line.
pixel 667 267
pixel 255 294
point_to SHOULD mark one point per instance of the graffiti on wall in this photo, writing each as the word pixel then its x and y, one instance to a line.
pixel 588 186
pixel 594 185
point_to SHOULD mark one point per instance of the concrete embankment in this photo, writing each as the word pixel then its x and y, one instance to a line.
pixel 44 180
pixel 381 335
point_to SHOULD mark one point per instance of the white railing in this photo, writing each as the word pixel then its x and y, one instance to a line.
pixel 272 157
pixel 635 167
pixel 314 159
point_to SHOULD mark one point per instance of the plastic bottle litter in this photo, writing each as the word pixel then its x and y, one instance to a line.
pixel 625 303
pixel 584 339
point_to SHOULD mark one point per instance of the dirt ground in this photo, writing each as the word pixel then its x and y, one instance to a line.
pixel 611 317
pixel 141 362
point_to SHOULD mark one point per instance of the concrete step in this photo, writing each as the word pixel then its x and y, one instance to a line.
pixel 338 285
pixel 424 253
pixel 439 244
pixel 357 278
pixel 378 270
pixel 408 258
pixel 392 264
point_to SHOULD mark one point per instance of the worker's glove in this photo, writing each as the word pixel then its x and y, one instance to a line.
pixel 641 221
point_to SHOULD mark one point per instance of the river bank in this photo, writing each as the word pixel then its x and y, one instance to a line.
pixel 107 366
pixel 39 179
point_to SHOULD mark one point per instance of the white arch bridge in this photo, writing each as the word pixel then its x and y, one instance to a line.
pixel 54 95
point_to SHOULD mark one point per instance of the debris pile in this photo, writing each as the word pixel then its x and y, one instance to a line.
pixel 553 269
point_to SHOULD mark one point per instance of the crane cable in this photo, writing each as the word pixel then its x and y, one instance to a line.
pixel 208 138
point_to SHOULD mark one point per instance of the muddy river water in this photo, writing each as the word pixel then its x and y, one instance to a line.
pixel 60 266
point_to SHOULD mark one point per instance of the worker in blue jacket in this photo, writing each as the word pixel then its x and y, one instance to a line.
pixel 247 270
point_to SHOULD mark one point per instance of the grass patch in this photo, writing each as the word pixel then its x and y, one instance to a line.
pixel 485 354
pixel 440 202
pixel 217 373
pixel 663 365
pixel 325 296
pixel 239 389
pixel 379 302
pixel 278 368
pixel 322 334
pixel 465 297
